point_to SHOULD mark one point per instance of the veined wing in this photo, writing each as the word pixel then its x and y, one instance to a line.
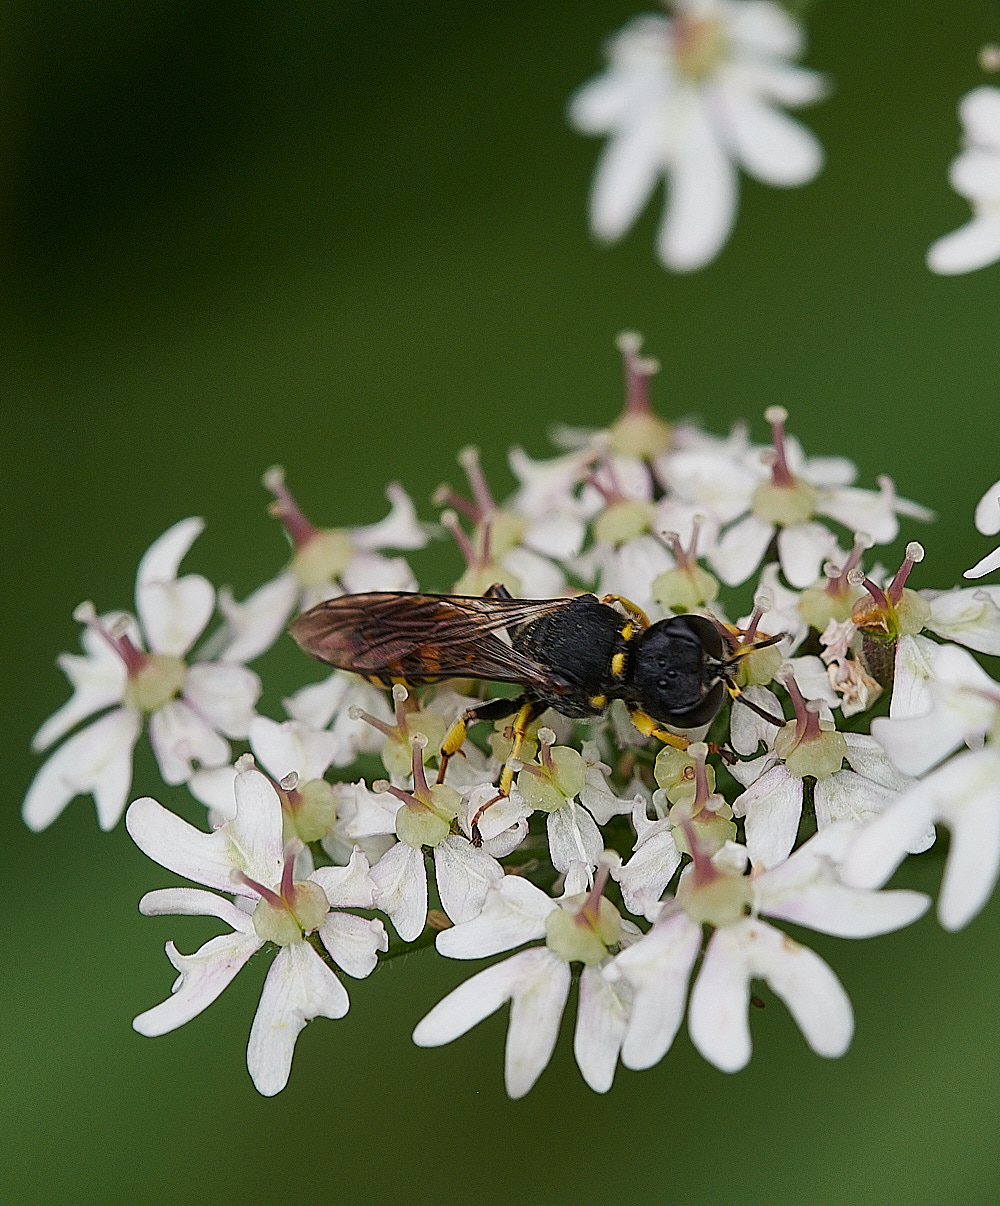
pixel 423 637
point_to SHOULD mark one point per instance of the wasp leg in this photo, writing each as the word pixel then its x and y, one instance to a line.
pixel 638 616
pixel 497 591
pixel 495 709
pixel 529 711
pixel 648 727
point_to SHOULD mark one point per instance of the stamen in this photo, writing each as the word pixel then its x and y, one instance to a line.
pixel 590 910
pixel 445 496
pixel 450 520
pixel 117 637
pixel 699 752
pixel 468 458
pixel 546 740
pixel 914 555
pixel 356 713
pixel 418 743
pixel 285 508
pixel 382 787
pixel 840 578
pixel 781 475
pixel 806 712
pixel 638 372
pixel 272 898
pixel 399 697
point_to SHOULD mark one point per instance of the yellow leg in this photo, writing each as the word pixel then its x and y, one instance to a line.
pixel 648 727
pixel 630 608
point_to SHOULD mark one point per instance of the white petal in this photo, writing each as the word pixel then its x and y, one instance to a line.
pixel 770 145
pixel 626 174
pixel 224 694
pixel 980 114
pixel 599 800
pixel 868 758
pixel 573 837
pixel 720 997
pixel 988 511
pixel 911 694
pixel 253 625
pixel 535 1013
pixel 601 1023
pixel 847 796
pixel 95 761
pixel 883 843
pixel 740 550
pixel 172 611
pixel 399 530
pixel 646 874
pixel 193 902
pixel 972 812
pixel 972 246
pixel 99 680
pixel 348 887
pixel 464 875
pixel 781 82
pixel 372 571
pixel 747 730
pixel 834 908
pixel 180 737
pixel 202 978
pixel 766 29
pixel 365 813
pixel 353 942
pixel 514 912
pixel 539 577
pixel 802 549
pixel 401 880
pixel 975 174
pixel 298 988
pixel 317 704
pixel 658 967
pixel 986 566
pixel 871 511
pixel 292 746
pixel 772 807
pixel 701 204
pixel 971 617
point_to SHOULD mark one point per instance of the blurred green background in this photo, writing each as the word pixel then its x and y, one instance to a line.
pixel 351 238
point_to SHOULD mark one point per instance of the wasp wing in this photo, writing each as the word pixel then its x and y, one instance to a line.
pixel 424 638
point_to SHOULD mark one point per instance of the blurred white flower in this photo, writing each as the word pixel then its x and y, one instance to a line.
pixel 692 97
pixel 987 522
pixel 975 175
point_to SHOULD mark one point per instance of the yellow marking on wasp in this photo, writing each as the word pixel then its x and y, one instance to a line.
pixel 618 665
pixel 628 632
pixel 598 701
pixel 454 737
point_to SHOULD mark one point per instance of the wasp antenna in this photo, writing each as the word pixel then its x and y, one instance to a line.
pixel 764 715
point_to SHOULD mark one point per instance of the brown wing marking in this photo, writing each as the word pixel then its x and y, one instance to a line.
pixel 422 637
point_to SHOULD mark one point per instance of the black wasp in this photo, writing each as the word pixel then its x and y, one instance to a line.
pixel 574 655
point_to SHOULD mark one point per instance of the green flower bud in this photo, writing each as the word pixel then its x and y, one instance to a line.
pixel 685 590
pixel 639 434
pixel 784 506
pixel 417 826
pixel 623 521
pixel 316 813
pixel 719 902
pixel 821 757
pixel 570 934
pixel 912 613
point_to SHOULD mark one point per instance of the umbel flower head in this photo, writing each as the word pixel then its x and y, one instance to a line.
pixel 695 96
pixel 583 841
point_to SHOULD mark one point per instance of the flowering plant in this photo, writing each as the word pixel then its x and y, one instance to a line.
pixel 632 858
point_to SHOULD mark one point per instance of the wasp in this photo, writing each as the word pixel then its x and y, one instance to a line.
pixel 574 655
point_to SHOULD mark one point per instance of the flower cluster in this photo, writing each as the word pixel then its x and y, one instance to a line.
pixel 651 863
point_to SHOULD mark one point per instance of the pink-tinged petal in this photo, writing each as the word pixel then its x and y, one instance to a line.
pixel 986 566
pixel 173 614
pixel 513 913
pixel 740 549
pixel 180 737
pixel 770 145
pixel 626 175
pixel 399 530
pixel 353 942
pixel 298 988
pixel 988 511
pixel 99 680
pixel 224 694
pixel 658 967
pixel 202 978
pixel 972 812
pixel 573 837
pixel 701 202
pixel 96 761
pixel 401 889
pixel 350 887
pixel 292 746
pixel 162 559
pixel 253 625
pixel 802 549
pixel 772 807
pixel 464 876
pixel 601 1024
pixel 980 114
pixel 971 617
pixel 974 245
pixel 883 843
pixel 193 902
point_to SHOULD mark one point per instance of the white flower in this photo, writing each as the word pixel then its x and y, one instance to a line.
pixel 975 175
pixel 963 793
pixel 245 857
pixel 692 97
pixel 987 522
pixel 140 667
pixel 536 981
pixel 805 890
